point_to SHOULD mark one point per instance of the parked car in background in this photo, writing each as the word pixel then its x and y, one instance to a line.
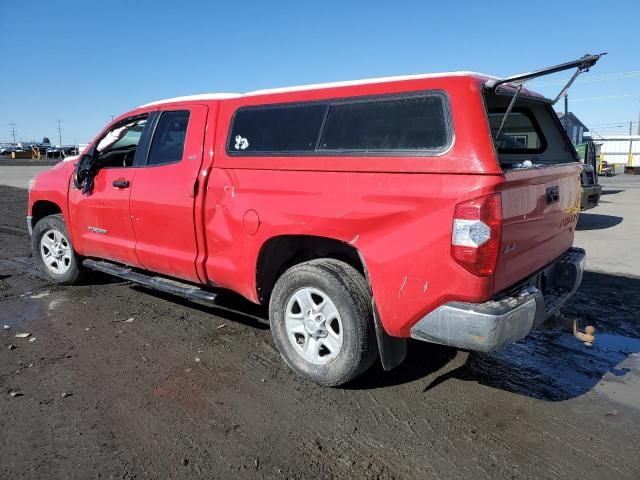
pixel 591 190
pixel 42 148
pixel 61 151
pixel 6 149
pixel 55 152
pixel 70 150
pixel 439 207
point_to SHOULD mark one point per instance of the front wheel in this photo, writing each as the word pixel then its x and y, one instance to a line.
pixel 322 321
pixel 53 251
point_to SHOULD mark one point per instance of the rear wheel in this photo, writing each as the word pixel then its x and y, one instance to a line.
pixel 322 322
pixel 53 251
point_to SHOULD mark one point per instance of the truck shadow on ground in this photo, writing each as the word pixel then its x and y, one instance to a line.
pixel 596 221
pixel 229 306
pixel 549 364
pixel 423 360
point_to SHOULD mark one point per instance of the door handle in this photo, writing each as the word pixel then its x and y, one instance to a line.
pixel 553 194
pixel 121 183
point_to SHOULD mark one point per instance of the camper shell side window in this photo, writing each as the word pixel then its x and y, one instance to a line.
pixel 408 124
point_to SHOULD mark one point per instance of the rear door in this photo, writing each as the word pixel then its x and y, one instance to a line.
pixel 163 194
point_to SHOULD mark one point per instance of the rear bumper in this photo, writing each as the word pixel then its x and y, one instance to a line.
pixel 590 196
pixel 488 326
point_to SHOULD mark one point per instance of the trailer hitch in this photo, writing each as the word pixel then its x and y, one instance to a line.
pixel 587 337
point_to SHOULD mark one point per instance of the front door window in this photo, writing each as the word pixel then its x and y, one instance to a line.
pixel 118 147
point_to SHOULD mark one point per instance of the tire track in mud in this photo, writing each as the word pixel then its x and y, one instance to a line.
pixel 269 359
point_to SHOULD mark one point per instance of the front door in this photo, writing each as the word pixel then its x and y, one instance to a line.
pixel 101 221
pixel 163 195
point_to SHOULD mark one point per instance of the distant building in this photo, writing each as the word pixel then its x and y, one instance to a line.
pixel 573 126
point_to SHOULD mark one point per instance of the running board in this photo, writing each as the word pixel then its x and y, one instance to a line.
pixel 174 287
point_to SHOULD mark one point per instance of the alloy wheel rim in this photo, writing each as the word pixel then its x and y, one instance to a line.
pixel 55 251
pixel 313 325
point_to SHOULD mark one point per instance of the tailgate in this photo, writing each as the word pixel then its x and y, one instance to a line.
pixel 540 208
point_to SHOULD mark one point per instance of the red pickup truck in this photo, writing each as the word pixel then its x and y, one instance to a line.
pixel 440 207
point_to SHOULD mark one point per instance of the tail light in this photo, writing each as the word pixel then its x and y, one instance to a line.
pixel 477 227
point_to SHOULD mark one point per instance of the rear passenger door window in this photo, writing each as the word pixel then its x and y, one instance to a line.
pixel 167 145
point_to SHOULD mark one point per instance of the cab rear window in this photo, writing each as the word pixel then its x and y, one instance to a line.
pixel 520 132
pixel 416 123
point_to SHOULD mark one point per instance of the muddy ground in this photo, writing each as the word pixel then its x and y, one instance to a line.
pixel 184 391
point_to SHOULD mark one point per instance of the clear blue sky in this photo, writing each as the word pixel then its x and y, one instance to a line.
pixel 82 61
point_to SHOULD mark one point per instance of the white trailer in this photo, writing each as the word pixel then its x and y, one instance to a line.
pixel 623 150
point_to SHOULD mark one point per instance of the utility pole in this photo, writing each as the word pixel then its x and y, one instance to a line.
pixel 59 132
pixel 13 131
pixel 630 162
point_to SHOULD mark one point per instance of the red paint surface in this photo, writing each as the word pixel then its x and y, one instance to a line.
pixel 396 211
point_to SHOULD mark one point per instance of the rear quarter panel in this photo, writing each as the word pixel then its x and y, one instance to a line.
pixel 400 224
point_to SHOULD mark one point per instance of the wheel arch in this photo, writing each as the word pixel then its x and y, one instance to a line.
pixel 43 208
pixel 279 253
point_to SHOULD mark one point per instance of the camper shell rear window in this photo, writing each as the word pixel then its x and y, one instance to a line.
pixel 394 125
pixel 532 136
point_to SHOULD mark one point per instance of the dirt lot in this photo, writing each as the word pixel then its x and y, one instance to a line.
pixel 184 391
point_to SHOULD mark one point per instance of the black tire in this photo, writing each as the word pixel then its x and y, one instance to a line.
pixel 349 292
pixel 73 272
